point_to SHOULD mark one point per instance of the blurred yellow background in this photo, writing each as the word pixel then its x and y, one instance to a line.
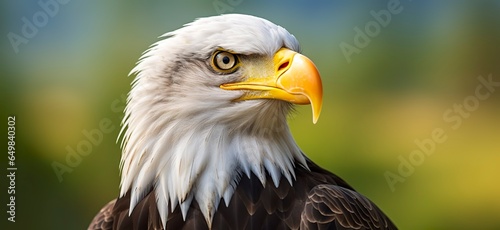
pixel 411 77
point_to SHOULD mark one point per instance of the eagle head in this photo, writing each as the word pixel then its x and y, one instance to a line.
pixel 208 106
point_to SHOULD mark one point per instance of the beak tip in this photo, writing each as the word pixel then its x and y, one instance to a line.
pixel 315 117
pixel 316 105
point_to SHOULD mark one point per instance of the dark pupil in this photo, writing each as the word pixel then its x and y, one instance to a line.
pixel 225 60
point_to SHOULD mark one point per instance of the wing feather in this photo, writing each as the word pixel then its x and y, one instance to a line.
pixel 104 219
pixel 334 207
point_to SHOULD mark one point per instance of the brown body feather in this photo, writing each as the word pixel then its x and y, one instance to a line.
pixel 318 199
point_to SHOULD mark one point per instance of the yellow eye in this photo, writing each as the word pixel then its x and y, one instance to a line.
pixel 224 61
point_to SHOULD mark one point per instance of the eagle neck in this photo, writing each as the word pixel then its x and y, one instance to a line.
pixel 196 158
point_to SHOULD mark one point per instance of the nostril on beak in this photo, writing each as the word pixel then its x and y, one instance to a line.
pixel 283 65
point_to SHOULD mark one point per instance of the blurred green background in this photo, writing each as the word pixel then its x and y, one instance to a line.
pixel 72 74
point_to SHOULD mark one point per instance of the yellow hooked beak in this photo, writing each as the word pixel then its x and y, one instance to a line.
pixel 294 79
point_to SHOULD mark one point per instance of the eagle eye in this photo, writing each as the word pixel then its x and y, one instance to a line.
pixel 225 62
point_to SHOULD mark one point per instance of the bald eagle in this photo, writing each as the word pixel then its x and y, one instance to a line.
pixel 206 143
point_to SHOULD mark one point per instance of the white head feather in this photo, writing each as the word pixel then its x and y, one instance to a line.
pixel 185 137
